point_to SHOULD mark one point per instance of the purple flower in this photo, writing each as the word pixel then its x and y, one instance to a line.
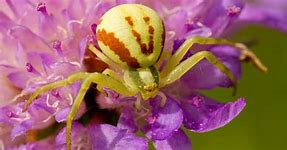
pixel 44 42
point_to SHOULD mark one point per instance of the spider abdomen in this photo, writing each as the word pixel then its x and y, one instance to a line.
pixel 132 35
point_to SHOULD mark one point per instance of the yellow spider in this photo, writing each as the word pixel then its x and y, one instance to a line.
pixel 131 38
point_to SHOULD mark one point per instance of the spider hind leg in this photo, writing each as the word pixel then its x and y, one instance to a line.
pixel 189 63
pixel 246 54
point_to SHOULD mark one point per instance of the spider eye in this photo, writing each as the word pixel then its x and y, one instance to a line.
pixel 132 35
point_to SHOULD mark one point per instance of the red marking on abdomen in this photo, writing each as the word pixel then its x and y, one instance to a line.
pixel 129 20
pixel 143 46
pixel 146 19
pixel 118 47
pixel 150 44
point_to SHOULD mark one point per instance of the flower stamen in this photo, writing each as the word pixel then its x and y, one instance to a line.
pixel 57 46
pixel 31 69
pixel 233 11
pixel 41 7
pixel 94 28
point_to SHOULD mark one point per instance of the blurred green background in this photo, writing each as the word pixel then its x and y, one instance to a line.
pixel 263 123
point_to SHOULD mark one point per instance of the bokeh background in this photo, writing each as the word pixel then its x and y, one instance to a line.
pixel 262 125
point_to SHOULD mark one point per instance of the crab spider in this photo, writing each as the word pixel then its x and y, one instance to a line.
pixel 131 38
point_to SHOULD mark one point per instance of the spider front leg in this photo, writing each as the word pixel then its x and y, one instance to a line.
pixel 100 79
pixel 104 58
pixel 187 64
pixel 184 48
pixel 112 74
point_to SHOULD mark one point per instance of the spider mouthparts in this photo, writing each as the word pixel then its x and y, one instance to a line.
pixel 150 87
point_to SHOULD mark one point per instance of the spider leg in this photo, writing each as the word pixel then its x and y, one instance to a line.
pixel 163 98
pixel 84 87
pixel 187 64
pixel 184 48
pixel 104 58
pixel 100 79
pixel 69 80
pixel 112 74
pixel 249 55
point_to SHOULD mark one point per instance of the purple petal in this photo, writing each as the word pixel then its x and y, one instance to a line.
pixel 25 36
pixel 220 14
pixel 106 137
pixel 125 1
pixel 214 14
pixel 113 99
pixel 4 17
pixel 76 9
pixel 267 14
pixel 28 16
pixel 63 68
pixel 97 10
pixel 16 8
pixel 42 104
pixel 199 31
pixel 178 141
pixel 37 116
pixel 19 79
pixel 176 44
pixel 202 114
pixel 47 24
pixel 164 120
pixel 22 128
pixel 180 17
pixel 43 144
pixel 62 114
pixel 39 113
pixel 205 75
pixel 9 90
pixel 5 23
pixel 126 120
pixel 34 59
pixel 75 46
pixel 6 113
pixel 80 138
pixel 47 60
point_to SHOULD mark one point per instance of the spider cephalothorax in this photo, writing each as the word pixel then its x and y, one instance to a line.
pixel 144 80
pixel 131 38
